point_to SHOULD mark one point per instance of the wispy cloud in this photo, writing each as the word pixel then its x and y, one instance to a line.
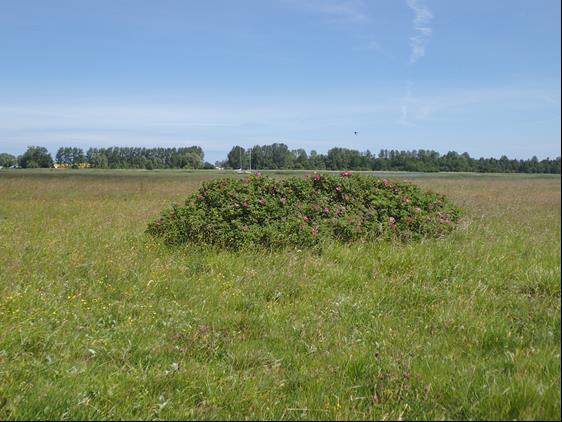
pixel 422 22
pixel 404 118
pixel 340 11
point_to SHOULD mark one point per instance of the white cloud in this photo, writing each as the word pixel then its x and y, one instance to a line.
pixel 422 22
pixel 339 11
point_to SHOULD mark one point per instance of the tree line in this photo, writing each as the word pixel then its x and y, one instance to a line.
pixel 110 158
pixel 279 156
pixel 276 156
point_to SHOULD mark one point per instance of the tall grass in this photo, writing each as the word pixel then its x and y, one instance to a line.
pixel 98 321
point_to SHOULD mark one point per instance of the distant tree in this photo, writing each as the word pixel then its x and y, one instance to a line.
pixel 7 160
pixel 190 160
pixel 70 156
pixel 235 156
pixel 97 159
pixel 36 157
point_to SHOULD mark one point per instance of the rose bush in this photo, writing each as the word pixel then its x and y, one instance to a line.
pixel 264 211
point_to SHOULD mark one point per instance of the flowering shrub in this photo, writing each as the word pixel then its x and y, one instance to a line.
pixel 264 211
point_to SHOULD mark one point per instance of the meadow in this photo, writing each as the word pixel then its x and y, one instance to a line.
pixel 100 321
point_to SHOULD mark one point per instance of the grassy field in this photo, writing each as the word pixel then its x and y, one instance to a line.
pixel 98 321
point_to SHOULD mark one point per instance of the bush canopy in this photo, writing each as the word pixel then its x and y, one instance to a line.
pixel 295 211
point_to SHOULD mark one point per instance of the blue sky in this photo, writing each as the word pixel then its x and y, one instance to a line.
pixel 475 76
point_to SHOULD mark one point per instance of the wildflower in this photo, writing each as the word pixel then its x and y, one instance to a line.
pixel 314 231
pixel 406 200
pixel 244 204
pixel 317 178
pixel 418 209
pixel 385 182
pixel 393 226
pixel 261 201
pixel 236 205
pixel 345 173
pixel 282 200
pixel 258 173
pixel 338 188
pixel 229 193
pixel 391 219
pixel 326 211
pixel 305 218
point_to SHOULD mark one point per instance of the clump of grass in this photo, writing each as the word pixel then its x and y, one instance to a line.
pixel 297 211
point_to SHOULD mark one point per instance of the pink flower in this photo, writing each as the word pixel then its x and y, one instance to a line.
pixel 244 204
pixel 326 211
pixel 282 200
pixel 391 219
pixel 305 218
pixel 258 173
pixel 261 201
pixel 345 173
pixel 418 209
pixel 393 226
pixel 317 177
pixel 338 188
pixel 385 182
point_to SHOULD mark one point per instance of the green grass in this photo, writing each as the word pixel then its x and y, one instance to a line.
pixel 99 321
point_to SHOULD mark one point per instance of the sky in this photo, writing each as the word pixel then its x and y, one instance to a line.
pixel 474 76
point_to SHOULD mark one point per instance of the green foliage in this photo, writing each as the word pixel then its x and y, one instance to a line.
pixel 36 157
pixel 70 156
pixel 278 156
pixel 7 160
pixel 145 158
pixel 296 211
